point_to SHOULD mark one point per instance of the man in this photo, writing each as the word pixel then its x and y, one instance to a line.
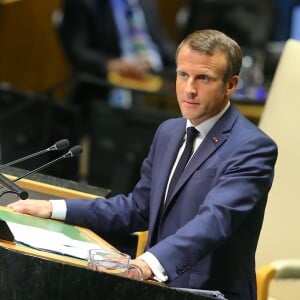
pixel 93 31
pixel 100 36
pixel 203 233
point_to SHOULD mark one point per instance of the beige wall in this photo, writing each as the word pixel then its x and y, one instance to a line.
pixel 280 238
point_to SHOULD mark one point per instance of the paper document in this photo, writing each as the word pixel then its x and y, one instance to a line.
pixel 50 241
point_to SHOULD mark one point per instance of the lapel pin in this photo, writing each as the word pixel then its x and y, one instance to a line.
pixel 215 139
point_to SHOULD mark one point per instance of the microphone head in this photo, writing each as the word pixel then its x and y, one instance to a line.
pixel 60 145
pixel 74 151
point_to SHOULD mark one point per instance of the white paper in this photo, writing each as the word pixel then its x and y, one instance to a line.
pixel 56 242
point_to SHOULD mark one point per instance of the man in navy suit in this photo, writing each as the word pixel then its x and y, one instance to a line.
pixel 203 235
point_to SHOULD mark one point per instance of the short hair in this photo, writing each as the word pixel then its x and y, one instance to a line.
pixel 208 40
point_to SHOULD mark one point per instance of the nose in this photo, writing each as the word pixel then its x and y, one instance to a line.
pixel 190 88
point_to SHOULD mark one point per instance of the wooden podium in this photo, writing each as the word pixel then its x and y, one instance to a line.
pixel 27 273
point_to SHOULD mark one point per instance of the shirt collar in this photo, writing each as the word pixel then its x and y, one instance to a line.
pixel 207 125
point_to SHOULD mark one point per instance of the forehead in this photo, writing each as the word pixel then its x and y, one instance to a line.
pixel 189 58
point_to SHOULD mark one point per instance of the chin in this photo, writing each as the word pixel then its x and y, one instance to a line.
pixel 189 115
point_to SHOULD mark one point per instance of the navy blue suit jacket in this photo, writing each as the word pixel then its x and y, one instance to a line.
pixel 208 233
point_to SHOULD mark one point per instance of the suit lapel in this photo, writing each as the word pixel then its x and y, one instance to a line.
pixel 214 139
pixel 167 153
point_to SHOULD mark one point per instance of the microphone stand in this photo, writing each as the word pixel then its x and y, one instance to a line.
pixel 14 188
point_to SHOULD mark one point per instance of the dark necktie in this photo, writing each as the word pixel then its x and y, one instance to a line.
pixel 192 132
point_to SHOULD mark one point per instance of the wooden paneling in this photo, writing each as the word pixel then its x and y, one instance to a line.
pixel 30 54
pixel 168 11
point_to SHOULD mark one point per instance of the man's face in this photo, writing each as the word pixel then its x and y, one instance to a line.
pixel 201 91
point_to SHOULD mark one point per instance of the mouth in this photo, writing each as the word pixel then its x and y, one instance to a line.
pixel 190 103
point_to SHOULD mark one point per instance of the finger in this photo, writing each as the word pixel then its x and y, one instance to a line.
pixel 21 207
pixel 10 205
pixel 15 204
pixel 135 272
pixel 38 208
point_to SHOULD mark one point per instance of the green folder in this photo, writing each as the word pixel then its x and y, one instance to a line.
pixel 48 224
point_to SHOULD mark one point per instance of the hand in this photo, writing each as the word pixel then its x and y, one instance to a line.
pixel 144 268
pixel 38 208
pixel 134 68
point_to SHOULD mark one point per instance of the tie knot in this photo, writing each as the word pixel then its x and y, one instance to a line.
pixel 191 133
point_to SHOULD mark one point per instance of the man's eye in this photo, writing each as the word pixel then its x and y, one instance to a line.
pixel 181 74
pixel 204 78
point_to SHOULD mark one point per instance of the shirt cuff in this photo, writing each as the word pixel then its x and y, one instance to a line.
pixel 157 269
pixel 59 209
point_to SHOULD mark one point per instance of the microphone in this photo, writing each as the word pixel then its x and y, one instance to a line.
pixel 59 145
pixel 74 151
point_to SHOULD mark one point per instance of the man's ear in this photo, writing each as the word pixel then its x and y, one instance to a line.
pixel 232 84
